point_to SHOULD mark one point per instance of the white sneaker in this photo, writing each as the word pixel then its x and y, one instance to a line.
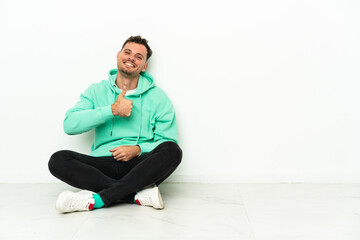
pixel 150 196
pixel 70 202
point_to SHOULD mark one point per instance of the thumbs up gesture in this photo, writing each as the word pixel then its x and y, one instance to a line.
pixel 122 107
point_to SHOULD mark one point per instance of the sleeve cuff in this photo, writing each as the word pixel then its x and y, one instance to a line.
pixel 144 148
pixel 106 113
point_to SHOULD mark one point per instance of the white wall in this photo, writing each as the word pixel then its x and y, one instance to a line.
pixel 265 91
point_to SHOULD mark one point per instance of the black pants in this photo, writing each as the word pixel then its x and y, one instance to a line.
pixel 112 180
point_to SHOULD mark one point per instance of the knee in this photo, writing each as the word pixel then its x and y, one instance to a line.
pixel 55 163
pixel 173 151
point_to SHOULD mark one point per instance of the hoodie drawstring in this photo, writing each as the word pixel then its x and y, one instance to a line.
pixel 112 121
pixel 138 137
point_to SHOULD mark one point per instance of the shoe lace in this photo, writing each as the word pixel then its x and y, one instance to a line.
pixel 80 202
pixel 145 198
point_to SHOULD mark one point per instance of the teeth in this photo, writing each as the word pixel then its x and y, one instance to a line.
pixel 129 64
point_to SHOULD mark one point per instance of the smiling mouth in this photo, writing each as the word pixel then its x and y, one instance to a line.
pixel 129 64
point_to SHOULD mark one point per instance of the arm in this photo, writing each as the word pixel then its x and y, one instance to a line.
pixel 165 126
pixel 84 116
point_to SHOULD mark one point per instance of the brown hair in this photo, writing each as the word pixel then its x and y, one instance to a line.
pixel 139 40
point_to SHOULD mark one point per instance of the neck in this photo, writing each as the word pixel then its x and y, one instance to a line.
pixel 129 82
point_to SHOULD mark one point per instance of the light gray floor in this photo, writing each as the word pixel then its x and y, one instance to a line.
pixel 192 211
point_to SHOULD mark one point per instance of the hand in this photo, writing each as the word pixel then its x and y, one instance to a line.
pixel 122 107
pixel 125 153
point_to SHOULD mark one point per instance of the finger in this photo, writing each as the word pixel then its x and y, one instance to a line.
pixel 123 92
pixel 114 151
pixel 119 158
pixel 119 155
pixel 115 156
pixel 124 160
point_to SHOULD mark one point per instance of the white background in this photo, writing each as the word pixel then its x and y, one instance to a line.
pixel 265 91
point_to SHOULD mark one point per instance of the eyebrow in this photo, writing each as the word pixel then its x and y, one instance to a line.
pixel 127 49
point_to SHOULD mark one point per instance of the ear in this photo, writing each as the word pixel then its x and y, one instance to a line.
pixel 117 56
pixel 145 67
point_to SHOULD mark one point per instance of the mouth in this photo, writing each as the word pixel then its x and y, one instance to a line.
pixel 129 64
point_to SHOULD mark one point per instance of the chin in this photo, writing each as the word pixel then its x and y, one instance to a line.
pixel 129 74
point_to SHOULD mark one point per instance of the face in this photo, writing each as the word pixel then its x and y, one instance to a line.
pixel 131 60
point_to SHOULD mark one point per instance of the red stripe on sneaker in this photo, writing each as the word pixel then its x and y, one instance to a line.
pixel 137 201
pixel 91 206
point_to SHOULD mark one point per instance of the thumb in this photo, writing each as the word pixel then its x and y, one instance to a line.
pixel 123 92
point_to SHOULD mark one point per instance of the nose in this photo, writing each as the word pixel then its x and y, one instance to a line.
pixel 132 57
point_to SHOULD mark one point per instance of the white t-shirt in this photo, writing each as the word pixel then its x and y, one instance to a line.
pixel 130 91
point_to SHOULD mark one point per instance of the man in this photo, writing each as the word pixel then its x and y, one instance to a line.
pixel 135 146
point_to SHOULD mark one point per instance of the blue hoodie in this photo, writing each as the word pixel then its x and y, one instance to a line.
pixel 152 120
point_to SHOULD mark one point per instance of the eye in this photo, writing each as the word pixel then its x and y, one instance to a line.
pixel 139 57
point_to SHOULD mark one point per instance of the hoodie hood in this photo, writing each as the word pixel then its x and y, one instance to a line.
pixel 146 82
